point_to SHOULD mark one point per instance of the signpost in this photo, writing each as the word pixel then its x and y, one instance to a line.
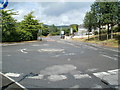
pixel 39 35
pixel 71 31
pixel 62 34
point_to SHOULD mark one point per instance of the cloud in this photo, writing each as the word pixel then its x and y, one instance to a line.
pixel 53 12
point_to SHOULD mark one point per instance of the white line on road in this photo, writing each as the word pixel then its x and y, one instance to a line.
pixel 109 57
pixel 101 74
pixel 23 51
pixel 112 50
pixel 13 81
pixel 51 50
pixel 113 71
pixel 79 76
pixel 36 77
pixel 13 74
pixel 107 74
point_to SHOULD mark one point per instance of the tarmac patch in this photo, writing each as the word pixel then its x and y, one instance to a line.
pixel 58 69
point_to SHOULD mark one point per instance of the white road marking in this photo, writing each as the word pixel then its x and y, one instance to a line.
pixel 112 50
pixel 13 74
pixel 36 77
pixel 79 76
pixel 23 51
pixel 70 54
pixel 109 57
pixel 51 50
pixel 107 73
pixel 101 74
pixel 57 77
pixel 92 70
pixel 13 81
pixel 113 71
pixel 110 76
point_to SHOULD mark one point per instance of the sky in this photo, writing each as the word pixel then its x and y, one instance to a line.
pixel 57 13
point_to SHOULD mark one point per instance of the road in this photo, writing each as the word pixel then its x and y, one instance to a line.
pixel 56 63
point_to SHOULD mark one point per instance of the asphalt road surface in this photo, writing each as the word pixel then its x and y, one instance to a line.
pixel 56 63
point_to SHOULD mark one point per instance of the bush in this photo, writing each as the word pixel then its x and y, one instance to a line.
pixel 95 32
pixel 116 29
pixel 24 35
pixel 54 33
pixel 103 31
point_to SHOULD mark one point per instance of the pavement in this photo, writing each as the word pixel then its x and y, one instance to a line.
pixel 58 63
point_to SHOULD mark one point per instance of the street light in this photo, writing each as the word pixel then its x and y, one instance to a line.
pixel 40 34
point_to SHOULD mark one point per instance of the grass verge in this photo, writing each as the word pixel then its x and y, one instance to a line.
pixel 108 43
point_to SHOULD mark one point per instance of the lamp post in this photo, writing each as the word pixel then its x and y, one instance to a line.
pixel 61 31
pixel 40 34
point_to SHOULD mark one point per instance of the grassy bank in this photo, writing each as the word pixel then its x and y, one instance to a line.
pixel 93 39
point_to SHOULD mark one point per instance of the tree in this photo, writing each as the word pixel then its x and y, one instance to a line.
pixel 106 14
pixel 8 25
pixel 96 17
pixel 88 22
pixel 45 30
pixel 74 27
pixel 30 25
pixel 53 30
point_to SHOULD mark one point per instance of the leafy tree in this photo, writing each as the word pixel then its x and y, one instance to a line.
pixel 8 25
pixel 53 30
pixel 67 30
pixel 74 27
pixel 87 22
pixel 30 25
pixel 45 30
pixel 106 14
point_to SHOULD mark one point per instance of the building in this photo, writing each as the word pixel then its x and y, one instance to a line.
pixel 81 30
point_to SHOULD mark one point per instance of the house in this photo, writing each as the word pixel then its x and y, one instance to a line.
pixel 81 30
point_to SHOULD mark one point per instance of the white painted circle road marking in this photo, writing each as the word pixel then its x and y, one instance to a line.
pixel 57 77
pixel 51 50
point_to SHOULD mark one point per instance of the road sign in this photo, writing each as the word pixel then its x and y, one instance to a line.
pixel 71 31
pixel 62 32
